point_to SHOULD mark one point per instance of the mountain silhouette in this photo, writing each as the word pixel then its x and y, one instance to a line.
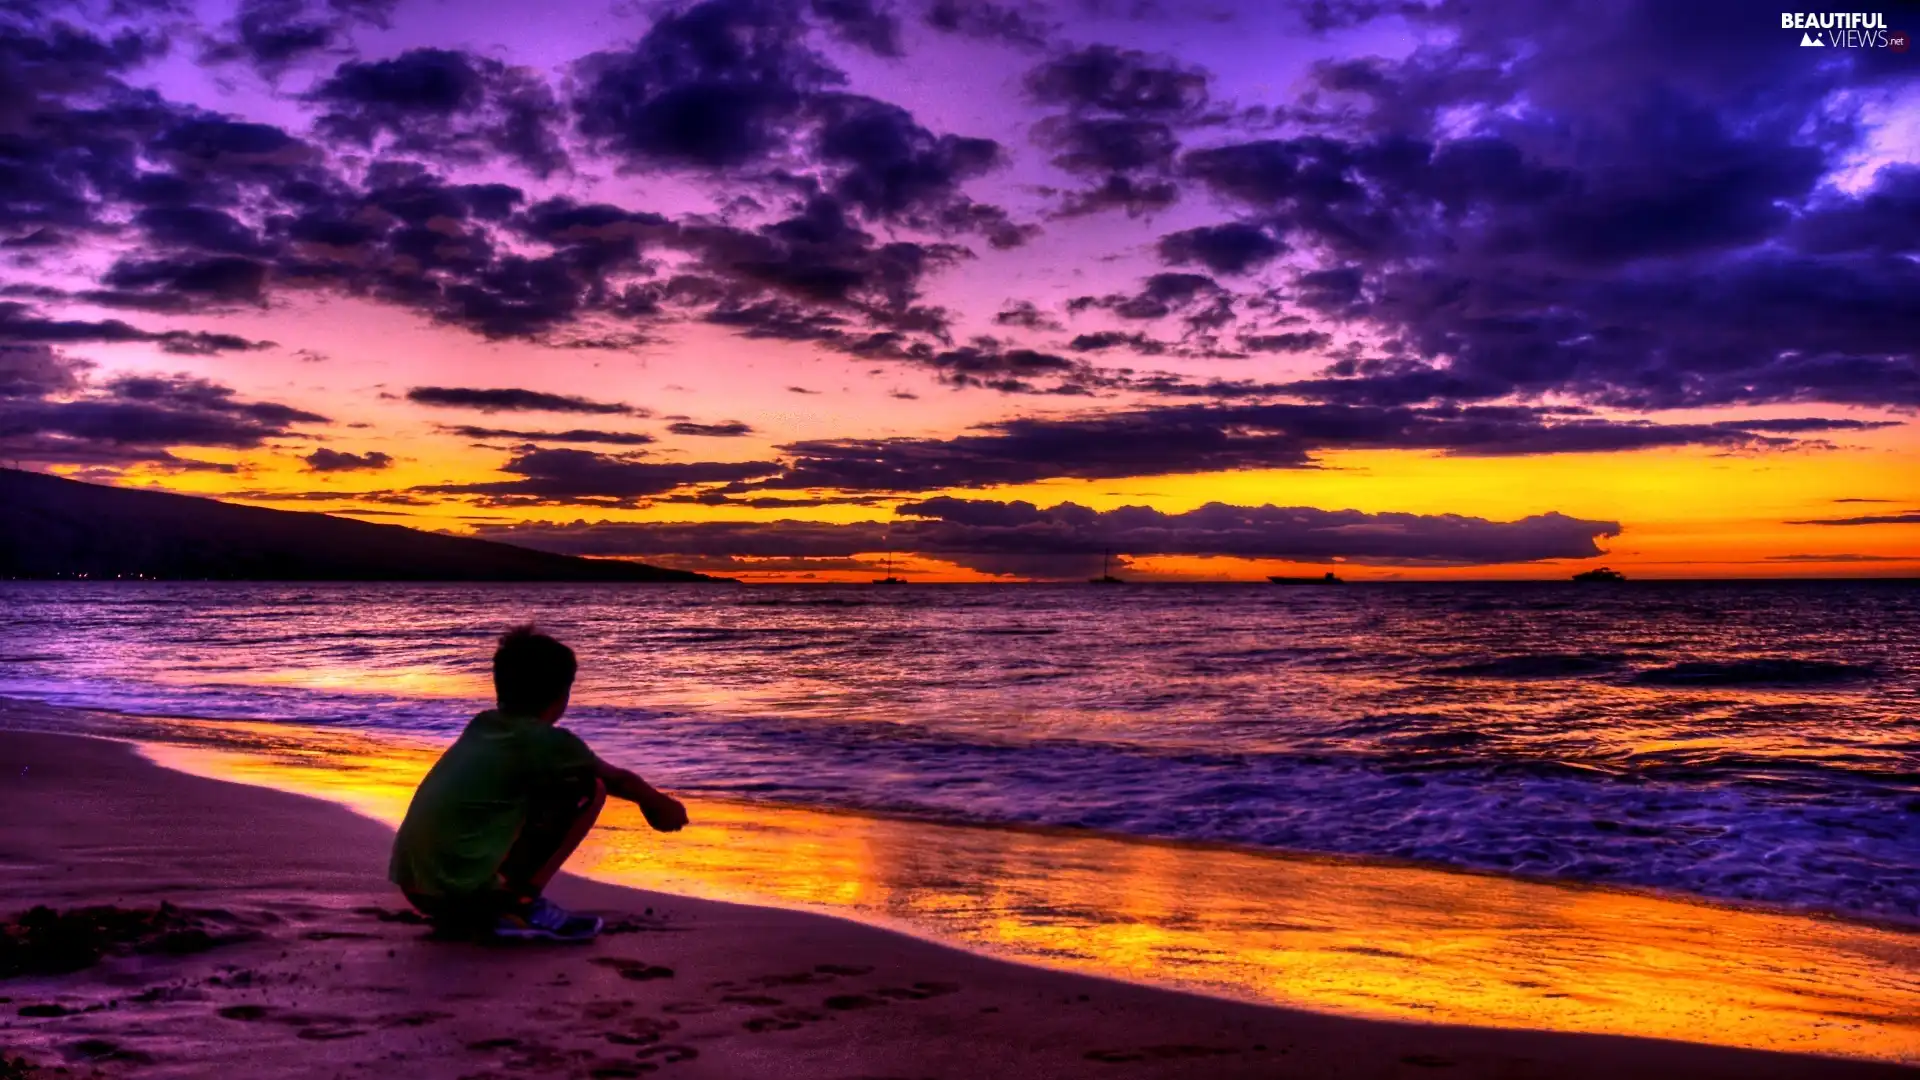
pixel 58 528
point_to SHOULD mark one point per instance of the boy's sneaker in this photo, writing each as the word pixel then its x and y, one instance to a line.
pixel 544 920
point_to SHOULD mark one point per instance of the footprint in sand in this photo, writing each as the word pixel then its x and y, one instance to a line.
pixel 614 1070
pixel 329 1032
pixel 919 991
pixel 637 970
pixel 842 969
pixel 393 915
pixel 781 1020
pixel 1159 1053
pixel 798 978
pixel 644 1031
pixel 413 1019
pixel 102 1050
pixel 667 1053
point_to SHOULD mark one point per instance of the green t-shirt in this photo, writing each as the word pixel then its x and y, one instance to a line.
pixel 471 805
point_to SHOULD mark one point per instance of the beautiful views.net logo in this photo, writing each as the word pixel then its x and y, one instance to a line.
pixel 1845 30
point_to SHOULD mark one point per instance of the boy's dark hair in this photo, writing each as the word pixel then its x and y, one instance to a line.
pixel 531 670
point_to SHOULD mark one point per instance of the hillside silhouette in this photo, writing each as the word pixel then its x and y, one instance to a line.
pixel 58 528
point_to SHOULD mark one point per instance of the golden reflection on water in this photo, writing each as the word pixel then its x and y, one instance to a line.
pixel 1387 941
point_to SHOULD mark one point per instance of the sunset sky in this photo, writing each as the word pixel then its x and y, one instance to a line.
pixel 1228 288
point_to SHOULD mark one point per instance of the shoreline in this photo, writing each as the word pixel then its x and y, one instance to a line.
pixel 319 976
pixel 1889 924
pixel 1337 936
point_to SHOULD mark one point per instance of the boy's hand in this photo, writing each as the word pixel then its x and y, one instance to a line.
pixel 665 813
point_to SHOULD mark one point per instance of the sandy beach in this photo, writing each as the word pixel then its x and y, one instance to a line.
pixel 282 952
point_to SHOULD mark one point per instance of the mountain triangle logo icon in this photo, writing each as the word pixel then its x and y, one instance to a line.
pixel 1808 41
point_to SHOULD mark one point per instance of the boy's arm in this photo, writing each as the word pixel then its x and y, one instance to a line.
pixel 662 811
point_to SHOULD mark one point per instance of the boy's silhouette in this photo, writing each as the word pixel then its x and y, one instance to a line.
pixel 502 809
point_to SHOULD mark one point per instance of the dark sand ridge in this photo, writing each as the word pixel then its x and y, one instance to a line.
pixel 330 983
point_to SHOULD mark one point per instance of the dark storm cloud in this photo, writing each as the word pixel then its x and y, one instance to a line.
pixel 866 23
pixel 444 105
pixel 1022 25
pixel 716 85
pixel 233 212
pixel 1290 342
pixel 325 460
pixel 513 399
pixel 1588 208
pixel 728 430
pixel 1199 438
pixel 888 164
pixel 1023 313
pixel 561 476
pixel 821 257
pixel 731 86
pixel 38 371
pixel 1107 144
pixel 1119 128
pixel 272 34
pixel 1837 558
pixel 19 323
pixel 1912 518
pixel 1173 386
pixel 1020 537
pixel 170 282
pixel 1685 254
pixel 50 411
pixel 393 498
pixel 1110 339
pixel 572 435
pixel 1801 424
pixel 199 228
pixel 1122 81
pixel 1297 533
pixel 596 237
pixel 1159 296
pixel 1012 370
pixel 1234 248
pixel 775 539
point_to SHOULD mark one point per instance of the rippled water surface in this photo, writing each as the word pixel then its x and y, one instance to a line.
pixel 1757 742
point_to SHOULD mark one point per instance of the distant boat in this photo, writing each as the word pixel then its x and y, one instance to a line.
pixel 1105 577
pixel 1601 574
pixel 1327 579
pixel 889 579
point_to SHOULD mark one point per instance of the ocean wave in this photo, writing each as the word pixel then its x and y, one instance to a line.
pixel 1536 666
pixel 1756 672
pixel 1684 738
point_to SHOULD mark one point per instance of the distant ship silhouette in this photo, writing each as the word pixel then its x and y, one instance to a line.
pixel 1601 574
pixel 1327 579
pixel 1106 577
pixel 889 579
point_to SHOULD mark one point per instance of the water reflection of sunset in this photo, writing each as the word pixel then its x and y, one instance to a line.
pixel 1370 939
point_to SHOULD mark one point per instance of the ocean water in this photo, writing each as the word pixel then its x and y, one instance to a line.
pixel 1753 742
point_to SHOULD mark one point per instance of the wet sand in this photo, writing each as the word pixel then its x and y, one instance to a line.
pixel 286 954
